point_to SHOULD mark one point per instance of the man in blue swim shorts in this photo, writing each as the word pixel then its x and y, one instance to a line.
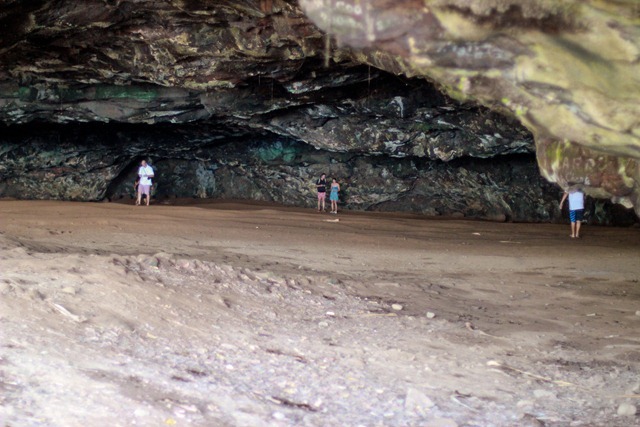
pixel 576 210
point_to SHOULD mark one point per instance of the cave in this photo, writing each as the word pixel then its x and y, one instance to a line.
pixel 453 128
pixel 228 103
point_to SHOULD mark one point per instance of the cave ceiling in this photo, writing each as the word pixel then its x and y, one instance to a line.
pixel 566 71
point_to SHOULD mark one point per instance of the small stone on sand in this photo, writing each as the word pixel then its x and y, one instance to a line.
pixel 441 422
pixel 430 315
pixel 279 416
pixel 397 307
pixel 544 394
pixel 417 402
pixel 626 410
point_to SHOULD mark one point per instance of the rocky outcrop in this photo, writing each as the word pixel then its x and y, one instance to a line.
pixel 568 70
pixel 228 98
pixel 101 161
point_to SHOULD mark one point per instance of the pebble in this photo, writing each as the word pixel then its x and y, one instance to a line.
pixel 417 402
pixel 626 410
pixel 541 394
pixel 525 404
pixel 430 315
pixel 638 313
pixel 397 307
pixel 278 416
pixel 529 420
pixel 69 290
pixel 323 324
pixel 441 422
pixel 141 413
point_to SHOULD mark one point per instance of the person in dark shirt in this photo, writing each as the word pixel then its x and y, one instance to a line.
pixel 321 185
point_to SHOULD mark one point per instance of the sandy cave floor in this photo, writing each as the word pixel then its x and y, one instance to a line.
pixel 230 314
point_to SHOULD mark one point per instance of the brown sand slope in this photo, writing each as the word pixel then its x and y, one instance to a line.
pixel 223 314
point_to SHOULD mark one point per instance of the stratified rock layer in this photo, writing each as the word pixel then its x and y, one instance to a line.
pixel 96 162
pixel 568 70
pixel 99 161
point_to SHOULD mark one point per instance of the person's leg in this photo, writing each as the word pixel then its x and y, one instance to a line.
pixel 572 218
pixel 578 220
pixel 139 196
pixel 318 202
pixel 144 191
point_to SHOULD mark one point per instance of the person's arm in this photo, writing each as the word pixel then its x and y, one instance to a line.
pixel 151 175
pixel 564 197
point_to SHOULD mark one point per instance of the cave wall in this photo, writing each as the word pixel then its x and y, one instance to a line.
pixel 94 161
pixel 394 143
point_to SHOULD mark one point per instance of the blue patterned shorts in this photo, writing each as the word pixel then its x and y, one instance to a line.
pixel 577 215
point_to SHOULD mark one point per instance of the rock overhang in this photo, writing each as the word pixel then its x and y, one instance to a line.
pixel 567 70
pixel 264 66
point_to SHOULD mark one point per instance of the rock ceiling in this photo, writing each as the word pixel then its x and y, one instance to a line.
pixel 568 70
